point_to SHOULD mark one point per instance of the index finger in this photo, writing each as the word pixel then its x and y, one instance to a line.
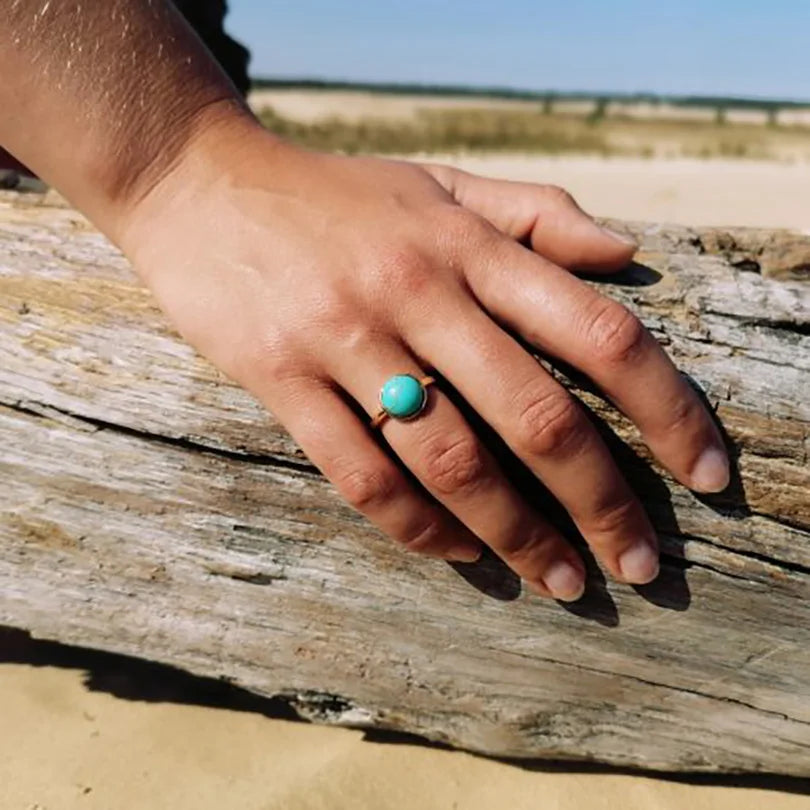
pixel 561 315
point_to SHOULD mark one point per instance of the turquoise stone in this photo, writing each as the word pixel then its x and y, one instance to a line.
pixel 403 396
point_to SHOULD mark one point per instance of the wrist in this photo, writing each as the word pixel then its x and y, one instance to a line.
pixel 221 138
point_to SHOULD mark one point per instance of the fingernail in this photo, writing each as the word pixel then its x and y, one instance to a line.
pixel 463 553
pixel 639 564
pixel 620 237
pixel 565 581
pixel 711 472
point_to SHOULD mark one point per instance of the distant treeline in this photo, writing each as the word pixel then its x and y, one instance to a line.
pixel 506 93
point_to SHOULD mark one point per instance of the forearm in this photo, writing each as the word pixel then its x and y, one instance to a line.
pixel 102 99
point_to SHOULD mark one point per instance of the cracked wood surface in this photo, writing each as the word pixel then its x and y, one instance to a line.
pixel 151 508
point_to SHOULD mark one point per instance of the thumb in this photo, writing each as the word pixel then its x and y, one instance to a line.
pixel 547 218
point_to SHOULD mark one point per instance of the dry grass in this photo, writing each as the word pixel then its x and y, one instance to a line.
pixel 441 131
pixel 531 130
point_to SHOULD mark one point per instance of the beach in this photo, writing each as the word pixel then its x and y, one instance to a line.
pixel 69 743
pixel 84 733
pixel 764 194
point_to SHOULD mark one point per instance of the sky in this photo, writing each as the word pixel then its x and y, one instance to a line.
pixel 717 47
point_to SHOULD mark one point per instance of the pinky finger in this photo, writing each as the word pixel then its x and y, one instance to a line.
pixel 341 446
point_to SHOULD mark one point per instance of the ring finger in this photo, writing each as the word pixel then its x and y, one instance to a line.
pixel 451 462
pixel 368 478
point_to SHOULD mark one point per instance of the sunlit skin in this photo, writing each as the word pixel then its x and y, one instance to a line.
pixel 310 279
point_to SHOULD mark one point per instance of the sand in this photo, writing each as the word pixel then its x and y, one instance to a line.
pixel 64 746
pixel 355 105
pixel 766 194
pixel 315 104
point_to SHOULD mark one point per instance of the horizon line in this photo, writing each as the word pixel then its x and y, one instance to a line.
pixel 505 92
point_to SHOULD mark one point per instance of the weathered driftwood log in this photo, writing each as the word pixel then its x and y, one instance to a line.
pixel 151 508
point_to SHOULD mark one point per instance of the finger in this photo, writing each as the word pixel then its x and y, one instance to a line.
pixel 546 428
pixel 335 440
pixel 444 453
pixel 568 319
pixel 545 217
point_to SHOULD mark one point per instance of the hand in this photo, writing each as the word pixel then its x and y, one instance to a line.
pixel 311 279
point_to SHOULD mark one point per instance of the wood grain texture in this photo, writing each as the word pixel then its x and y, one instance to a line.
pixel 150 507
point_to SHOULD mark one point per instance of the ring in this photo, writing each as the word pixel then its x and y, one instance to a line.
pixel 402 397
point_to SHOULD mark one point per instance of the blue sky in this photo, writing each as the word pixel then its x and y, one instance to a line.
pixel 748 47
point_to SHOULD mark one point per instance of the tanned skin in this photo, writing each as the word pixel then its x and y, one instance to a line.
pixel 311 278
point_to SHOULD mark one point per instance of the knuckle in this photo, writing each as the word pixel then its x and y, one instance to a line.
pixel 423 540
pixel 366 488
pixel 356 338
pixel 558 195
pixel 681 415
pixel 459 226
pixel 548 423
pixel 613 518
pixel 525 549
pixel 453 464
pixel 614 333
pixel 408 271
pixel 334 308
pixel 273 356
